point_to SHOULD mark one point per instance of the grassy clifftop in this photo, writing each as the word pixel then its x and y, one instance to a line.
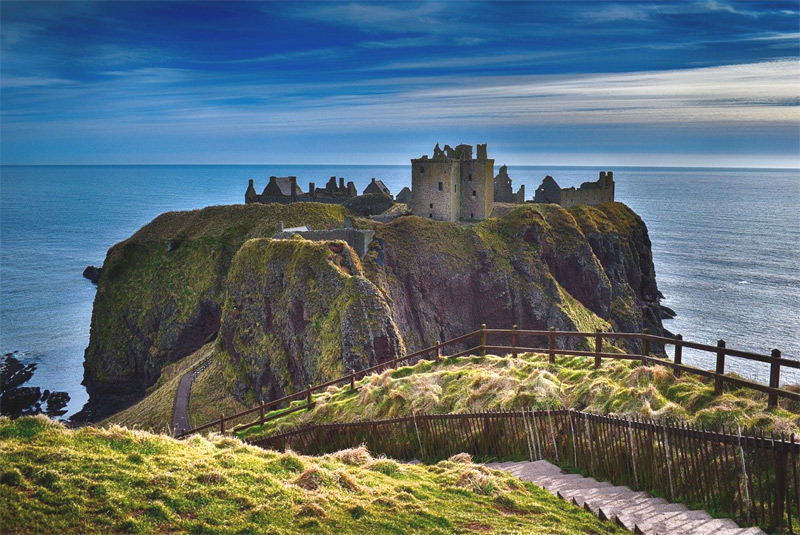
pixel 56 480
pixel 470 384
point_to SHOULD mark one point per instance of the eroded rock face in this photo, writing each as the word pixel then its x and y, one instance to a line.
pixel 299 312
pixel 537 267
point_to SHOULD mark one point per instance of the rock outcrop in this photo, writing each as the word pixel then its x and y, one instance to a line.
pixel 538 266
pixel 299 312
pixel 290 312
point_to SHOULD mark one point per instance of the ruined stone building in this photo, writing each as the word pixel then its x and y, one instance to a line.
pixel 285 190
pixel 377 186
pixel 452 185
pixel 503 189
pixel 590 193
pixel 404 196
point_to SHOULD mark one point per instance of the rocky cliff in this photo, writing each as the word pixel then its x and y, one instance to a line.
pixel 299 312
pixel 291 312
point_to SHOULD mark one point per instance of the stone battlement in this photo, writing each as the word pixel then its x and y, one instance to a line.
pixel 589 193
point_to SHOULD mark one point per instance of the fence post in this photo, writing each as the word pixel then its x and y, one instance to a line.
pixel 552 345
pixel 483 339
pixel 598 348
pixel 720 371
pixel 261 414
pixel 308 398
pixel 645 346
pixel 438 351
pixel 774 377
pixel 222 424
pixel 781 471
pixel 678 353
pixel 352 379
pixel 514 341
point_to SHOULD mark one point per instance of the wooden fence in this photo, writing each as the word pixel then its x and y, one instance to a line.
pixel 742 474
pixel 558 344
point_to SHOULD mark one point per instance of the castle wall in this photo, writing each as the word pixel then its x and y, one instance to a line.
pixel 590 193
pixel 478 206
pixel 358 239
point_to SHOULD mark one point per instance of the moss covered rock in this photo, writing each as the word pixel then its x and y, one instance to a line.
pixel 299 312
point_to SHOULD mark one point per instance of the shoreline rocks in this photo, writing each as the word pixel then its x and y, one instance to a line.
pixel 17 400
pixel 93 274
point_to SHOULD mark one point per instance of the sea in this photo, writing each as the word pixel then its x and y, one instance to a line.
pixel 726 247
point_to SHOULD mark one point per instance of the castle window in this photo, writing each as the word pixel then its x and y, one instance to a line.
pixel 474 193
pixel 455 187
pixel 421 169
pixel 441 186
pixel 470 177
pixel 431 205
pixel 472 215
pixel 430 215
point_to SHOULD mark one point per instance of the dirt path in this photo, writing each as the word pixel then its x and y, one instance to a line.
pixel 180 412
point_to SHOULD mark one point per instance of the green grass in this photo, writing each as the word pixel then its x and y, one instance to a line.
pixel 92 480
pixel 469 384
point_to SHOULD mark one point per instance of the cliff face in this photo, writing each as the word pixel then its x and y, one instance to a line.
pixel 161 291
pixel 299 312
pixel 295 312
pixel 538 266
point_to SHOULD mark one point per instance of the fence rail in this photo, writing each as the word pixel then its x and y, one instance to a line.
pixel 593 340
pixel 742 474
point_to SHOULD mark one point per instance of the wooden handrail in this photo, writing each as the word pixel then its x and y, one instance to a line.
pixel 773 390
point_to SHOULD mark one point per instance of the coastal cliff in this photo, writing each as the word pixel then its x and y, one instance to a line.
pixel 291 312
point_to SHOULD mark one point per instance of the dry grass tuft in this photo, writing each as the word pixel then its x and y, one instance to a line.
pixel 311 510
pixel 353 456
pixel 346 481
pixel 476 481
pixel 310 479
pixel 461 458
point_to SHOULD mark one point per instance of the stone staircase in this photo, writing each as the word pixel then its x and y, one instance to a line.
pixel 636 511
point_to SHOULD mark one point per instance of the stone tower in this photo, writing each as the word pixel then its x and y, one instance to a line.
pixel 452 185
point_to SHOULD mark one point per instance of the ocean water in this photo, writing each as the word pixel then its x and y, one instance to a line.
pixel 725 245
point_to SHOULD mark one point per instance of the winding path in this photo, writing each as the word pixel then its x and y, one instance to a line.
pixel 180 411
pixel 637 511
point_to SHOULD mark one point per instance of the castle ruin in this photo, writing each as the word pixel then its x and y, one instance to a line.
pixel 504 191
pixel 590 193
pixel 284 190
pixel 452 185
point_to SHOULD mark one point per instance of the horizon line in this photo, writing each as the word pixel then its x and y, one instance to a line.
pixel 778 167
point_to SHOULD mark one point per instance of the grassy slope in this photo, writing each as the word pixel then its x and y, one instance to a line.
pixel 482 383
pixel 154 412
pixel 56 480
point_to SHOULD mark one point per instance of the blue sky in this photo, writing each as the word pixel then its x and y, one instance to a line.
pixel 577 83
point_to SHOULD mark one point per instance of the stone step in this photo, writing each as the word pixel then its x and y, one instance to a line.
pixel 680 522
pixel 634 510
pixel 573 484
